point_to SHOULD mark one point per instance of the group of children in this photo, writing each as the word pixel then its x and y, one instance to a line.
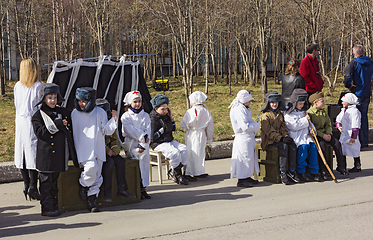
pixel 87 135
pixel 289 129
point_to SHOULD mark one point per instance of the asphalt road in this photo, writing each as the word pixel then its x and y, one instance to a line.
pixel 211 208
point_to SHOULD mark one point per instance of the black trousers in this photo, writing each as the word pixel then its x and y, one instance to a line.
pixel 107 173
pixel 287 154
pixel 48 191
pixel 341 159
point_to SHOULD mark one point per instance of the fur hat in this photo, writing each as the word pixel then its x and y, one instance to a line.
pixel 315 96
pixel 104 104
pixel 272 97
pixel 130 96
pixel 49 88
pixel 86 94
pixel 350 98
pixel 298 94
pixel 158 100
pixel 197 97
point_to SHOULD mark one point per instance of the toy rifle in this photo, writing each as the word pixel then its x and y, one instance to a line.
pixel 314 138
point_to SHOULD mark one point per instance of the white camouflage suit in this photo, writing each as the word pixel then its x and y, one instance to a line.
pixel 244 159
pixel 200 128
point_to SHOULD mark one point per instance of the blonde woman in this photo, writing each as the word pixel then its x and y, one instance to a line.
pixel 291 80
pixel 26 95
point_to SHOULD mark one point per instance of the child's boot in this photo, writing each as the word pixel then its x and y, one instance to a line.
pixel 172 174
pixel 91 203
pixel 179 176
pixel 144 194
pixel 284 178
pixel 83 192
pixel 357 165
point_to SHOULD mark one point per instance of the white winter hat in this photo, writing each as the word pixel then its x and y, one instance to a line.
pixel 243 96
pixel 197 97
pixel 130 96
pixel 350 98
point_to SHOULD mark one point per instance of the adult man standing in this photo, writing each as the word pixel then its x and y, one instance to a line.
pixel 358 75
pixel 310 71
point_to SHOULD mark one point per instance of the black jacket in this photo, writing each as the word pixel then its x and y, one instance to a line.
pixel 157 122
pixel 50 153
pixel 289 83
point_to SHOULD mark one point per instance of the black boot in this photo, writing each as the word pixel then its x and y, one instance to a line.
pixel 91 203
pixel 324 176
pixel 190 178
pixel 25 189
pixel 342 171
pixel 243 183
pixel 284 178
pixel 357 165
pixel 125 194
pixel 316 177
pixel 83 192
pixel 26 181
pixel 172 174
pixel 304 177
pixel 180 178
pixel 33 193
pixel 144 194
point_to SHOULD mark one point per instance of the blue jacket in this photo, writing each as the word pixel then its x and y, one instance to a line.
pixel 359 72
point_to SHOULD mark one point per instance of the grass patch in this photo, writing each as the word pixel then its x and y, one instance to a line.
pixel 217 102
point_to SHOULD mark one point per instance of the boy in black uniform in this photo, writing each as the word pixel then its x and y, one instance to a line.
pixel 52 127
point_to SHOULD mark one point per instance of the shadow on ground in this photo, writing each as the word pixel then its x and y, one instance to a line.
pixel 195 192
pixel 12 223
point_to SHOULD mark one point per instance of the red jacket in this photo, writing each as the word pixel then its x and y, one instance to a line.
pixel 313 83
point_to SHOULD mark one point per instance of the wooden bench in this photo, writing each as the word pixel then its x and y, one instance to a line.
pixel 157 159
pixel 68 188
pixel 270 166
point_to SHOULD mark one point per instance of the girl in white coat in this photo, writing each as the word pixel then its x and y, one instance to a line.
pixel 136 130
pixel 26 95
pixel 348 123
pixel 200 128
pixel 244 160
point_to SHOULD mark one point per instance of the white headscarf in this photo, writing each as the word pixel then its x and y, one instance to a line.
pixel 130 96
pixel 350 98
pixel 197 97
pixel 243 97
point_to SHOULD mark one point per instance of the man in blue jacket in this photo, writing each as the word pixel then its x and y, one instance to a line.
pixel 358 79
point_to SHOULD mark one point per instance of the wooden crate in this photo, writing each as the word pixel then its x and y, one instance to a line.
pixel 68 188
pixel 270 166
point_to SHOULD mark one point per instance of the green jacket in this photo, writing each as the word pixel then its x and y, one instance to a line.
pixel 112 143
pixel 321 120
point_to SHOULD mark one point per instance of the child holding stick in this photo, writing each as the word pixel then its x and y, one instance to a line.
pixel 296 120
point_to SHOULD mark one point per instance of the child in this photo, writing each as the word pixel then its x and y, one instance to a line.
pixel 52 127
pixel 200 128
pixel 162 126
pixel 90 125
pixel 348 123
pixel 113 159
pixel 296 121
pixel 244 160
pixel 321 121
pixel 136 130
pixel 274 133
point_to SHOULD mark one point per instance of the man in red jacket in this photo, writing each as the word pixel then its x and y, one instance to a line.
pixel 310 71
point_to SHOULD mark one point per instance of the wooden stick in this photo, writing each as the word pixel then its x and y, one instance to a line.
pixel 314 138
